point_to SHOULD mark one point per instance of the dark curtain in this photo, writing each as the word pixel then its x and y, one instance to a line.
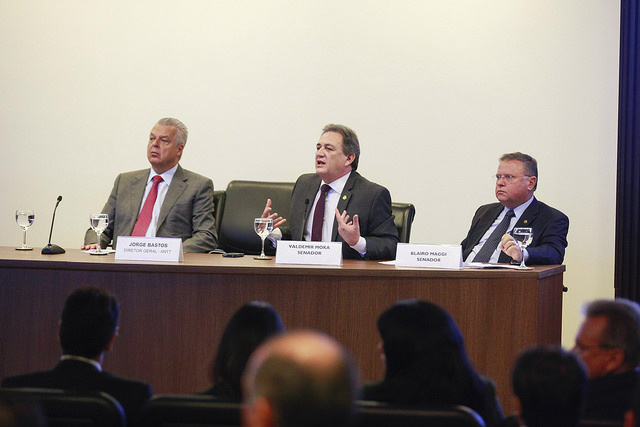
pixel 627 264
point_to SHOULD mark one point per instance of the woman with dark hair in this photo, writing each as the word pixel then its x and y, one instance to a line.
pixel 426 363
pixel 251 325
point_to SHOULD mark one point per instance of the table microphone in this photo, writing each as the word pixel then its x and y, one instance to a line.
pixel 304 217
pixel 53 249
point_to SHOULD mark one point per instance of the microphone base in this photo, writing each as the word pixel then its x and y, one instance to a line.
pixel 52 250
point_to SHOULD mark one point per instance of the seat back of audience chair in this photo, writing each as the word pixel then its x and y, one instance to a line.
pixel 189 411
pixel 373 414
pixel 65 408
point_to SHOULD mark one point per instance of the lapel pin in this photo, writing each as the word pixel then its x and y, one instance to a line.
pixel 526 221
pixel 344 197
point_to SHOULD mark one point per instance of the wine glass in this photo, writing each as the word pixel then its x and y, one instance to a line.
pixel 99 223
pixel 523 237
pixel 24 218
pixel 263 226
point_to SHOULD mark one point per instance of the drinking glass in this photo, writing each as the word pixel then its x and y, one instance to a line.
pixel 263 226
pixel 523 237
pixel 99 223
pixel 24 218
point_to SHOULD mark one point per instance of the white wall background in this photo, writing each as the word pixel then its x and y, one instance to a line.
pixel 437 91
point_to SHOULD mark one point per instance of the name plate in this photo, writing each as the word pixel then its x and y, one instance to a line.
pixel 310 253
pixel 429 256
pixel 149 249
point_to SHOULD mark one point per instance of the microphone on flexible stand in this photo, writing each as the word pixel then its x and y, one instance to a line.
pixel 53 249
pixel 304 217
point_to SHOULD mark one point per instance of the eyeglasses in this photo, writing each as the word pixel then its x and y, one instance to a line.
pixel 509 178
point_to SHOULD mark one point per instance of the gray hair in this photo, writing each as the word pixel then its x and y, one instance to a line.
pixel 623 326
pixel 530 164
pixel 181 130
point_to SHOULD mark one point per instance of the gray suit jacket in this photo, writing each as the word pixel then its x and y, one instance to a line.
pixel 187 211
pixel 372 203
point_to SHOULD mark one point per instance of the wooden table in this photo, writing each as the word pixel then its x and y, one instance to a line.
pixel 173 314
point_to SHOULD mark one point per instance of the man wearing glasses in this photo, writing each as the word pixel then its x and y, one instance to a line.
pixel 489 240
pixel 608 342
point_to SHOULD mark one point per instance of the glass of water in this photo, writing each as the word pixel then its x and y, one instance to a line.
pixel 99 223
pixel 24 218
pixel 523 237
pixel 262 227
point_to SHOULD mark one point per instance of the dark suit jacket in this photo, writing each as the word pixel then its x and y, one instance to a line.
pixel 370 201
pixel 187 211
pixel 610 396
pixel 550 228
pixel 78 375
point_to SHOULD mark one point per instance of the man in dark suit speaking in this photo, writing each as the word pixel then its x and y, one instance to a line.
pixel 337 204
pixel 88 328
pixel 164 201
pixel 516 180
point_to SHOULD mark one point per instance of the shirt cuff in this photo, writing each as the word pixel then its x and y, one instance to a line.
pixel 274 236
pixel 361 246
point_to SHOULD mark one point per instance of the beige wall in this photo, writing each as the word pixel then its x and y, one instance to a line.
pixel 436 90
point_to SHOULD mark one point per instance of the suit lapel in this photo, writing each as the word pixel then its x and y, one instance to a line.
pixel 343 202
pixel 485 222
pixel 177 187
pixel 529 215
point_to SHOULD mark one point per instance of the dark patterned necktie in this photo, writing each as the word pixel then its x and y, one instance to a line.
pixel 489 247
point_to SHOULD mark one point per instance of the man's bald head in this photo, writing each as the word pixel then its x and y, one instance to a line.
pixel 300 379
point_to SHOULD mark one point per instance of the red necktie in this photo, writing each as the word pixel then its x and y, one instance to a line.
pixel 318 214
pixel 140 229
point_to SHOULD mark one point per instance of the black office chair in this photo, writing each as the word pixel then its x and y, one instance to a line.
pixel 404 214
pixel 189 411
pixel 219 197
pixel 374 414
pixel 65 408
pixel 244 201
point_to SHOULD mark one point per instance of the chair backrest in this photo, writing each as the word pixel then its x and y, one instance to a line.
pixel 373 414
pixel 244 201
pixel 219 197
pixel 404 214
pixel 65 408
pixel 189 411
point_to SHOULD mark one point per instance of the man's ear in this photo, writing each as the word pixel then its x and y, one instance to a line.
pixel 111 340
pixel 616 360
pixel 259 413
pixel 350 159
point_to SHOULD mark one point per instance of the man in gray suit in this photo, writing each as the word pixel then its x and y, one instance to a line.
pixel 164 201
pixel 356 211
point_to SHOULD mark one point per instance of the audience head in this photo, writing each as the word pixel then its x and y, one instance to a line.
pixel 252 324
pixel 608 340
pixel 516 179
pixel 550 384
pixel 301 379
pixel 425 356
pixel 89 322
